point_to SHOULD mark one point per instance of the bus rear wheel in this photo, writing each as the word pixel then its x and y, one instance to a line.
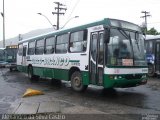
pixel 31 76
pixel 76 82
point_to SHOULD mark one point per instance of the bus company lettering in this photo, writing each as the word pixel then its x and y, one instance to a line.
pixel 37 61
pixel 54 61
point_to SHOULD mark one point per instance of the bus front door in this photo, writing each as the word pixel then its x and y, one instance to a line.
pixel 157 58
pixel 96 58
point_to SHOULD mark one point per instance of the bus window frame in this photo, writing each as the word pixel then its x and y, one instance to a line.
pixel 53 46
pixel 29 48
pixel 67 42
pixel 85 33
pixel 40 46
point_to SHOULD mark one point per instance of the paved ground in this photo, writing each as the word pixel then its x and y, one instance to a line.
pixel 52 106
pixel 128 103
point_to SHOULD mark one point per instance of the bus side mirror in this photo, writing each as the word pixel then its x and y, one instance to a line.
pixel 136 36
pixel 106 35
pixel 144 34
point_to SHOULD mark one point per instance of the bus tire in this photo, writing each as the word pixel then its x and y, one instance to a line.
pixel 151 70
pixel 76 82
pixel 31 76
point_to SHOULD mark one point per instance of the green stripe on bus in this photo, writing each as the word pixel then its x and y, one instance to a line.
pixel 74 61
pixel 60 74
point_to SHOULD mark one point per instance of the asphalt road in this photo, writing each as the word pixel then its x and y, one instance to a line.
pixel 141 100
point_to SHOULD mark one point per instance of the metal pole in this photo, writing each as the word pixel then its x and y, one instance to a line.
pixel 146 14
pixel 47 19
pixel 3 26
pixel 58 16
pixel 69 20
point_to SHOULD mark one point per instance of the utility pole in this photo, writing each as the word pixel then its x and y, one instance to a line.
pixel 3 15
pixel 58 13
pixel 146 14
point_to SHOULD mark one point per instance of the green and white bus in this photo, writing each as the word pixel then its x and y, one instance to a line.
pixel 108 53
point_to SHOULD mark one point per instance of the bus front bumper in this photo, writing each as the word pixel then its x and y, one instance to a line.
pixel 123 81
pixel 11 65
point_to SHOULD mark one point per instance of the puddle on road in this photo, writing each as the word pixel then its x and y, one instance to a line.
pixel 141 97
pixel 66 104
pixel 4 105
pixel 8 99
pixel 145 97
pixel 137 97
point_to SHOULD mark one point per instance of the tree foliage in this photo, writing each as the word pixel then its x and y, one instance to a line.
pixel 153 31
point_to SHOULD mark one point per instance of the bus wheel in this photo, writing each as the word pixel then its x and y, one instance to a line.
pixel 151 71
pixel 76 82
pixel 31 76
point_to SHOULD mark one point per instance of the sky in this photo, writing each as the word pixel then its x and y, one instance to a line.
pixel 21 15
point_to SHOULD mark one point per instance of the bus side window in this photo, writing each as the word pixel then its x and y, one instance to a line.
pixel 62 43
pixel 40 47
pixel 50 45
pixel 78 41
pixel 31 48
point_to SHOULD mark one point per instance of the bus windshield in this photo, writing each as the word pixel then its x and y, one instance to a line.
pixel 125 48
pixel 11 54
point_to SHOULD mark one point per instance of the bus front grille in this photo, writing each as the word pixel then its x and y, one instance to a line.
pixel 133 77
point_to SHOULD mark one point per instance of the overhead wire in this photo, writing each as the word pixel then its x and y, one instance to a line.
pixel 76 4
pixel 153 23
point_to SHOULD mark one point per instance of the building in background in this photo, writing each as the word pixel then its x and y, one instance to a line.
pixel 14 40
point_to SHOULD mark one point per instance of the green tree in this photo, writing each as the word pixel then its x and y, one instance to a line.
pixel 153 31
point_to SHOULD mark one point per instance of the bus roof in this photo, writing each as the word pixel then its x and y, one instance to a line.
pixel 152 37
pixel 107 22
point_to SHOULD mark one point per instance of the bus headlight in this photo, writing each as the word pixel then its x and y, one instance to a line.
pixel 119 77
pixel 115 77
